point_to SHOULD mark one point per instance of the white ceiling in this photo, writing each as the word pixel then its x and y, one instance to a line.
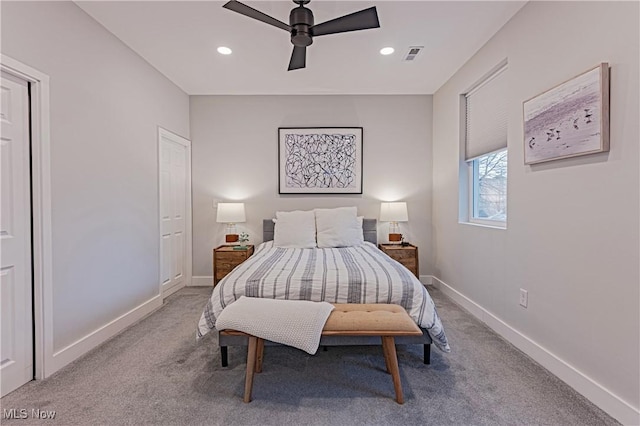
pixel 180 38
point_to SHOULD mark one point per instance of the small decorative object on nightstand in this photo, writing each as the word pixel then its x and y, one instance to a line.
pixel 225 258
pixel 243 240
pixel 405 254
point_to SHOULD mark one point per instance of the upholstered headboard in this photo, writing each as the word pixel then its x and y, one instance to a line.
pixel 369 228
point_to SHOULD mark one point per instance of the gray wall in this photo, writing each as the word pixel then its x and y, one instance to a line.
pixel 573 237
pixel 235 157
pixel 106 104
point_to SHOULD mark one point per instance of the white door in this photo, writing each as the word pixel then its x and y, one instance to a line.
pixel 175 211
pixel 16 353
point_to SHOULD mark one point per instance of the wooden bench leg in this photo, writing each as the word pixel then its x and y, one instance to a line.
pixel 251 366
pixel 259 355
pixel 386 357
pixel 389 349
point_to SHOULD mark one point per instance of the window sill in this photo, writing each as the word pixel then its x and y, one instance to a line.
pixel 487 224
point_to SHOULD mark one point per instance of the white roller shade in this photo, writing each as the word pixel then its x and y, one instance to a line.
pixel 486 122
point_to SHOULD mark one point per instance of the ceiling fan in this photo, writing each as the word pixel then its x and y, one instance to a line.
pixel 302 28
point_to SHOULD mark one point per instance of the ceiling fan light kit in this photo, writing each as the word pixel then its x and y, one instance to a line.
pixel 302 28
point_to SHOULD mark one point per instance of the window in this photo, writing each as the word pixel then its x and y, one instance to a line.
pixel 486 150
pixel 489 187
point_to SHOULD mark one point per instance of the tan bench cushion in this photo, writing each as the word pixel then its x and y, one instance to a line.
pixel 370 319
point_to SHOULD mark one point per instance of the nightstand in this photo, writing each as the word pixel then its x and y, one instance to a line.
pixel 407 255
pixel 225 258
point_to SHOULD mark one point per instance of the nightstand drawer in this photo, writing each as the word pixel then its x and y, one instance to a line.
pixel 406 255
pixel 403 255
pixel 231 257
pixel 226 258
pixel 408 263
pixel 225 267
pixel 221 273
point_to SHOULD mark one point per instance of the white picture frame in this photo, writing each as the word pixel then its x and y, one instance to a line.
pixel 568 120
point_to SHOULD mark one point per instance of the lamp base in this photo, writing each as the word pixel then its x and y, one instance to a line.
pixel 231 238
pixel 395 238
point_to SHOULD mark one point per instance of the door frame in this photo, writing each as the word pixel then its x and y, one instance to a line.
pixel 41 212
pixel 173 137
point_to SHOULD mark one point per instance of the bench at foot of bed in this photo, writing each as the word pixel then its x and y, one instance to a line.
pixel 326 341
pixel 381 321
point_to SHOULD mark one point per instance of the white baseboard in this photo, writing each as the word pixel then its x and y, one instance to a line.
pixel 426 279
pixel 82 346
pixel 592 390
pixel 166 292
pixel 201 282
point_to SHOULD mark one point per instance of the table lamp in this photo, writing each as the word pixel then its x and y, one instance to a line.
pixel 231 213
pixel 394 213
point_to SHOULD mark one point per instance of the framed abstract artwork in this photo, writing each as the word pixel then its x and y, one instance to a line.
pixel 570 119
pixel 320 160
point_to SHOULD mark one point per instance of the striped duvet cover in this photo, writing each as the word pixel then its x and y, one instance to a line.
pixel 360 274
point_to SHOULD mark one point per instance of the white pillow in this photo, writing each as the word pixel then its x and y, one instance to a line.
pixel 295 229
pixel 338 227
pixel 361 229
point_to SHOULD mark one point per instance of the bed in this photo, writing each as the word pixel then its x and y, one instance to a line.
pixel 359 274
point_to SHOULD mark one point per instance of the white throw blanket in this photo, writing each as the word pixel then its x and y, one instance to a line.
pixel 296 323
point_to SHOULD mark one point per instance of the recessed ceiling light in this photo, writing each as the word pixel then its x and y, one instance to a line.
pixel 387 51
pixel 224 50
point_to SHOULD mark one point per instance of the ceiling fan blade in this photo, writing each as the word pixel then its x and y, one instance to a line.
pixel 245 10
pixel 362 20
pixel 298 58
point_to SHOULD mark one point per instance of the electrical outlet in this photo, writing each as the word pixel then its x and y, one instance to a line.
pixel 524 297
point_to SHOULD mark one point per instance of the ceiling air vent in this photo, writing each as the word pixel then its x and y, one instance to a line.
pixel 413 52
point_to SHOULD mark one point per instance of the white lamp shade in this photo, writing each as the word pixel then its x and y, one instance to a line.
pixel 394 212
pixel 230 213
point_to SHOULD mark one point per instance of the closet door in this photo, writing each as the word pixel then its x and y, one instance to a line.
pixel 175 211
pixel 16 307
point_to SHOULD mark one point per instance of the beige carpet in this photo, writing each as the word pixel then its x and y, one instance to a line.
pixel 155 373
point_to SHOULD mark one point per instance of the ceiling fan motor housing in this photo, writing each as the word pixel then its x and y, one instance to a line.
pixel 301 21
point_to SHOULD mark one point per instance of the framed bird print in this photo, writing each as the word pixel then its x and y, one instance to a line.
pixel 570 119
